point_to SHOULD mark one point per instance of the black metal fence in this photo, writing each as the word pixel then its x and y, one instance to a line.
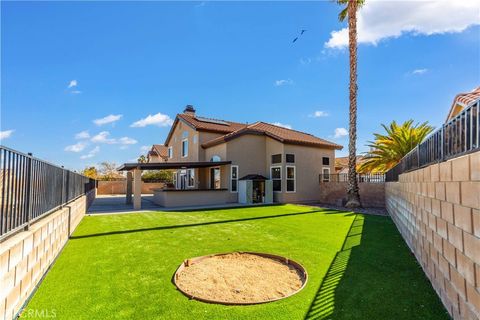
pixel 32 188
pixel 361 177
pixel 457 137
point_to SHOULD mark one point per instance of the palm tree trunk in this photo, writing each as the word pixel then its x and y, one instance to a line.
pixel 353 198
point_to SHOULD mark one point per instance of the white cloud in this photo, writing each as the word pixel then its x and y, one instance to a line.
pixel 82 135
pixel 283 82
pixel 127 140
pixel 379 20
pixel 102 137
pixel 91 153
pixel 108 119
pixel 72 84
pixel 75 92
pixel 319 114
pixel 145 148
pixel 159 119
pixel 78 147
pixel 6 134
pixel 340 132
pixel 282 125
pixel 419 71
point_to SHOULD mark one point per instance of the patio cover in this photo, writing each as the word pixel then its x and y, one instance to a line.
pixel 171 165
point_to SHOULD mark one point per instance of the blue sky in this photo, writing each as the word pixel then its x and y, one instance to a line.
pixel 66 64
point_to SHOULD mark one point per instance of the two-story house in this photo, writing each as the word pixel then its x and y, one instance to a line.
pixel 212 157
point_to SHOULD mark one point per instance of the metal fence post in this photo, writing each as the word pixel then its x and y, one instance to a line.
pixel 29 190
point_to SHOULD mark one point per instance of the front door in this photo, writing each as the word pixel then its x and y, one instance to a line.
pixel 258 192
pixel 183 179
pixel 215 178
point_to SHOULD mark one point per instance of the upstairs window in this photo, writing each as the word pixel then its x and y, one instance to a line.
pixel 326 161
pixel 184 134
pixel 170 152
pixel 276 176
pixel 290 158
pixel 276 158
pixel 216 159
pixel 184 148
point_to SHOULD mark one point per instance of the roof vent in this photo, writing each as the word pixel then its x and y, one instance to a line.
pixel 189 109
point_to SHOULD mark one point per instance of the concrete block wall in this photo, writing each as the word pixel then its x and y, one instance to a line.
pixel 437 211
pixel 27 255
pixel 120 187
pixel 372 195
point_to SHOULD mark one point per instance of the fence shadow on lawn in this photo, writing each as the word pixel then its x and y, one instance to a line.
pixel 190 225
pixel 375 276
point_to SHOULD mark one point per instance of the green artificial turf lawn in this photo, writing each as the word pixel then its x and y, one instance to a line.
pixel 120 266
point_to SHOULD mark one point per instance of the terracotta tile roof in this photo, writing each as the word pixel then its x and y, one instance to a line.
pixel 159 150
pixel 209 124
pixel 463 100
pixel 281 134
pixel 342 162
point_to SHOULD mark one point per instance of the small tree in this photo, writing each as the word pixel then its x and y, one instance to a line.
pixel 90 172
pixel 108 171
pixel 142 159
pixel 165 176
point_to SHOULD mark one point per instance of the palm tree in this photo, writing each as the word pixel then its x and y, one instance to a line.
pixel 353 198
pixel 388 149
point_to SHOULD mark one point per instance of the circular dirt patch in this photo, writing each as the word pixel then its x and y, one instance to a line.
pixel 240 278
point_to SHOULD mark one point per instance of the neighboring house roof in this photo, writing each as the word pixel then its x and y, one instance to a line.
pixel 159 150
pixel 462 101
pixel 342 162
pixel 278 133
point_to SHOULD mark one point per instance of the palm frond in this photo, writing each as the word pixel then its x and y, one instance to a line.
pixel 388 149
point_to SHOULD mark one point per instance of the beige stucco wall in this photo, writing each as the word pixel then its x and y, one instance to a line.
pixel 248 152
pixel 437 211
pixel 176 143
pixel 172 199
pixel 252 153
pixel 308 166
pixel 26 256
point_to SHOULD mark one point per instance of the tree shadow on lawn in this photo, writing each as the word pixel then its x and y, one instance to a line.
pixel 101 234
pixel 375 276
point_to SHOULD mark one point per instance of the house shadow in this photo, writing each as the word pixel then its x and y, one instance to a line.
pixel 375 276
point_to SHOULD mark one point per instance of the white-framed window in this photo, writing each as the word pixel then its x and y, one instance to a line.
pixel 276 176
pixel 170 152
pixel 234 179
pixel 325 174
pixel 174 179
pixel 291 178
pixel 191 178
pixel 195 139
pixel 184 148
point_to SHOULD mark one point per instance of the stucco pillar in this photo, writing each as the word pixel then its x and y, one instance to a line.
pixel 129 187
pixel 137 189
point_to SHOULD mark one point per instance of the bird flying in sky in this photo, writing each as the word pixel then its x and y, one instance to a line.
pixel 301 33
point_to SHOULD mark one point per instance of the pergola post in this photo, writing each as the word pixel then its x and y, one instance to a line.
pixel 129 187
pixel 137 189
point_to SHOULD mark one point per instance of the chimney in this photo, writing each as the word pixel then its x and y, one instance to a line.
pixel 189 110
